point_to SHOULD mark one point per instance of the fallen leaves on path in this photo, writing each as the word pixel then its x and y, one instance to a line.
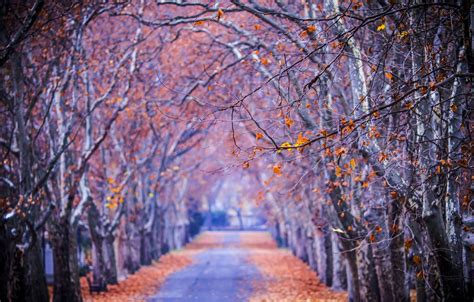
pixel 143 283
pixel 285 277
pixel 148 279
pixel 206 240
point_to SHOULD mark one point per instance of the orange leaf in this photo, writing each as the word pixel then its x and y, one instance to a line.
pixel 372 237
pixel 220 14
pixel 340 151
pixel 408 243
pixel 417 260
pixel 288 122
pixel 258 135
pixel 382 157
pixel 311 29
pixel 301 140
pixel 277 170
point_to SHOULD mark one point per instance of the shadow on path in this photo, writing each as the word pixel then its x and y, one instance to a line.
pixel 219 274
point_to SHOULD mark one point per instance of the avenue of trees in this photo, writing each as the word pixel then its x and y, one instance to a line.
pixel 352 118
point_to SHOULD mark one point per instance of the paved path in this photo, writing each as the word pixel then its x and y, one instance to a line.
pixel 219 275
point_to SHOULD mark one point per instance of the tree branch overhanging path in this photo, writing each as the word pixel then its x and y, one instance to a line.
pixel 343 128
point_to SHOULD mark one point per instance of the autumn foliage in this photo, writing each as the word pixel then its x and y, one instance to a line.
pixel 346 126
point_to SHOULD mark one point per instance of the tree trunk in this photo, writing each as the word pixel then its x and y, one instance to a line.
pixel 324 255
pixel 98 264
pixel 111 260
pixel 157 235
pixel 381 250
pixel 241 222
pixel 339 280
pixel 397 255
pixel 145 255
pixel 66 268
pixel 353 279
pixel 27 280
pixel 5 252
pixel 369 288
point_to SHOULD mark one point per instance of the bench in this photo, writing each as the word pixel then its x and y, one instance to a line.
pixel 95 287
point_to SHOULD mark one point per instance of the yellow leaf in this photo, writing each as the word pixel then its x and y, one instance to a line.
pixel 381 27
pixel 338 171
pixel 403 34
pixel 111 205
pixel 353 163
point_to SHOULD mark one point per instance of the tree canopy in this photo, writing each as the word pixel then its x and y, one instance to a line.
pixel 346 124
